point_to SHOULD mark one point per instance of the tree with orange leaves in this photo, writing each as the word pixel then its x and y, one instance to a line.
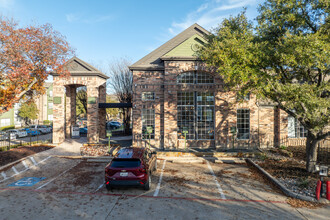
pixel 27 57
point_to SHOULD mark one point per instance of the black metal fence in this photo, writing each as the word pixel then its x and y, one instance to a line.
pixel 8 141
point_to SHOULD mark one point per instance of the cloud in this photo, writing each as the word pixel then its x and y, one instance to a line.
pixel 6 4
pixel 75 17
pixel 72 17
pixel 210 14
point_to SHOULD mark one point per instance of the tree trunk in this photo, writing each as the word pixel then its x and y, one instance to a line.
pixel 311 153
pixel 127 121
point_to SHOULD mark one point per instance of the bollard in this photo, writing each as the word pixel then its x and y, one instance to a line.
pixel 328 190
pixel 318 189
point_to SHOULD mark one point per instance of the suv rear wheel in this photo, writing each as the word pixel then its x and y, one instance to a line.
pixel 108 187
pixel 148 183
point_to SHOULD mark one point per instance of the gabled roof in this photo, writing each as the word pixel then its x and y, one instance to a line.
pixel 78 67
pixel 153 60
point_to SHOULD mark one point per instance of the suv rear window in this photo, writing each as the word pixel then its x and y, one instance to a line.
pixel 125 163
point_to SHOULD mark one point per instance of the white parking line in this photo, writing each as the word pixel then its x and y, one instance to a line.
pixel 15 171
pixel 56 177
pixel 160 180
pixel 99 187
pixel 4 175
pixel 33 161
pixel 222 195
pixel 25 165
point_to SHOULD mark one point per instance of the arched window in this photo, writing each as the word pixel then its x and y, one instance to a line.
pixel 195 77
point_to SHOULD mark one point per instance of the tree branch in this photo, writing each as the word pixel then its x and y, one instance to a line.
pixel 27 89
pixel 323 136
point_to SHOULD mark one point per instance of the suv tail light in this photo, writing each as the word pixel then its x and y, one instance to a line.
pixel 110 172
pixel 139 171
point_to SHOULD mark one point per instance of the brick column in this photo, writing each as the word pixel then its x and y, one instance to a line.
pixel 70 110
pixel 58 114
pixel 102 111
pixel 170 122
pixel 92 114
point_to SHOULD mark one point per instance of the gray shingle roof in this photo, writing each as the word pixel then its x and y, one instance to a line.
pixel 78 67
pixel 153 59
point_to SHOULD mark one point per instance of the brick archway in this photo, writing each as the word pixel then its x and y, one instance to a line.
pixel 64 108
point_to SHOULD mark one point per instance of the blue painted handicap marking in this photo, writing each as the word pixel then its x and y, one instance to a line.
pixel 27 181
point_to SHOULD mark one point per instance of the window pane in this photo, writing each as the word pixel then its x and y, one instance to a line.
pixel 186 115
pixel 203 77
pixel 185 98
pixel 147 96
pixel 205 98
pixel 187 77
pixel 205 122
pixel 186 119
pixel 148 120
pixel 243 124
pixel 195 77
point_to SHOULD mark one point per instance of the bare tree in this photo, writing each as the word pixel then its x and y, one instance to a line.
pixel 121 82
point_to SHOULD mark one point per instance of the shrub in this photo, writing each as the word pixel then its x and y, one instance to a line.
pixel 47 122
pixel 5 128
pixel 283 147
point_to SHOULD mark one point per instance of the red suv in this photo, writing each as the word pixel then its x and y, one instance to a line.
pixel 131 166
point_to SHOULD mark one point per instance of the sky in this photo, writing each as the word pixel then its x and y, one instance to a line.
pixel 102 31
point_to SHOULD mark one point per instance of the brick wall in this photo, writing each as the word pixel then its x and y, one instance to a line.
pixel 267 124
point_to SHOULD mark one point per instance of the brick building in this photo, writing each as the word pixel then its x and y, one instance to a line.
pixel 176 95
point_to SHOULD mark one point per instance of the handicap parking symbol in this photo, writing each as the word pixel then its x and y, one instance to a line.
pixel 27 181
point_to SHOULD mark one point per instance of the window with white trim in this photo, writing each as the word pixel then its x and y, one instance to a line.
pixel 5 122
pixel 148 120
pixel 243 124
pixel 148 96
pixel 295 129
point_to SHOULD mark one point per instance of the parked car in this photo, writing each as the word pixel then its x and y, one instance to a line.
pixel 18 133
pixel 32 132
pixel 3 136
pixel 131 166
pixel 13 134
pixel 50 127
pixel 42 128
pixel 83 131
pixel 113 125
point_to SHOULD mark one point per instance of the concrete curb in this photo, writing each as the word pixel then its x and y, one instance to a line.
pixel 285 190
pixel 88 158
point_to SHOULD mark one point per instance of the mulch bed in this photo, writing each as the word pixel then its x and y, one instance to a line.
pixel 289 167
pixel 20 152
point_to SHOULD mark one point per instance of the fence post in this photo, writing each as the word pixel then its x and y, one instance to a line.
pixel 9 139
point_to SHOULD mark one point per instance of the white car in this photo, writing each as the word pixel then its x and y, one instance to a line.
pixel 42 128
pixel 13 133
pixel 17 133
pixel 22 133
pixel 3 136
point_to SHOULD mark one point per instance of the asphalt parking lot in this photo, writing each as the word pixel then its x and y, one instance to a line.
pixel 60 188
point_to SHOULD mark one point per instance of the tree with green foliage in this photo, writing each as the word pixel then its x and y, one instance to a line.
pixel 284 58
pixel 112 112
pixel 81 101
pixel 28 112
